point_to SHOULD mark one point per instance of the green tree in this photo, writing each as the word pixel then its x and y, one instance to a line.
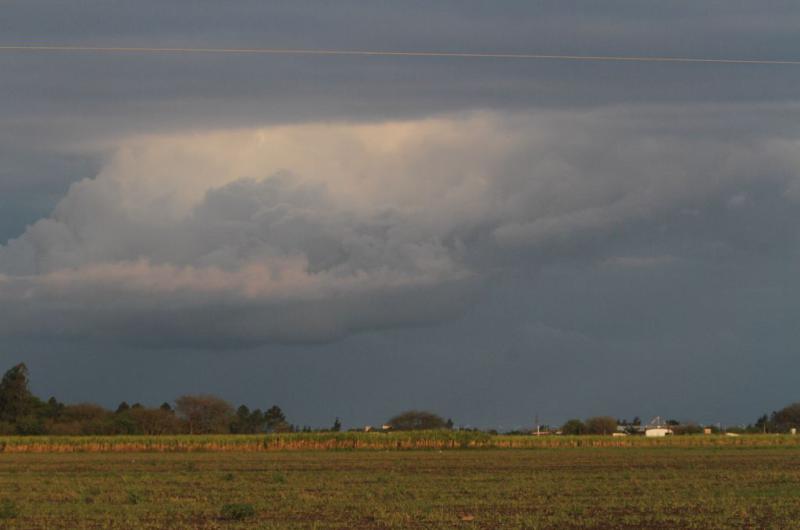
pixel 787 418
pixel 573 427
pixel 247 421
pixel 239 423
pixel 337 425
pixel 16 400
pixel 275 420
pixel 763 424
pixel 417 420
pixel 53 408
pixel 256 421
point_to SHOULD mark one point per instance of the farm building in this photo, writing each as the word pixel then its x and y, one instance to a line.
pixel 657 428
pixel 657 432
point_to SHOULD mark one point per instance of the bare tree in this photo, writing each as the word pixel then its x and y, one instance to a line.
pixel 205 414
pixel 601 425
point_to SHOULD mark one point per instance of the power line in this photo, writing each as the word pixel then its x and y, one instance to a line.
pixel 388 53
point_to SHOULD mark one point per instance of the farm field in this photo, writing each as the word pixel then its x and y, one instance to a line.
pixel 665 486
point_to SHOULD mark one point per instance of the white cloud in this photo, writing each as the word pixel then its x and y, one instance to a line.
pixel 309 232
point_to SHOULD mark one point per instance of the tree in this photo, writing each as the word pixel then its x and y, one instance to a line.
pixel 53 408
pixel 601 425
pixel 787 418
pixel 337 425
pixel 154 421
pixel 16 399
pixel 122 407
pixel 275 420
pixel 763 424
pixel 205 414
pixel 239 423
pixel 573 427
pixel 247 421
pixel 417 420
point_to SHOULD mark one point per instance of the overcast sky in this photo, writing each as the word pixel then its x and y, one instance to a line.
pixel 353 236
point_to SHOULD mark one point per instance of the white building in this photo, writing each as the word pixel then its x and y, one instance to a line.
pixel 657 428
pixel 657 432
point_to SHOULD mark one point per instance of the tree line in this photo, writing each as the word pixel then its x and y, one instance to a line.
pixel 23 413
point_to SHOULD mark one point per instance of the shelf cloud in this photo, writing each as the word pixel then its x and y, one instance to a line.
pixel 311 232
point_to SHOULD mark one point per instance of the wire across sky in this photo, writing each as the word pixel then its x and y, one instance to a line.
pixel 389 53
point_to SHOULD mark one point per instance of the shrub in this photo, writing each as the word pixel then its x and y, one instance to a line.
pixel 237 512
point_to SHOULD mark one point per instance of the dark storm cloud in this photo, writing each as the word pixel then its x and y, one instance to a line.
pixel 625 225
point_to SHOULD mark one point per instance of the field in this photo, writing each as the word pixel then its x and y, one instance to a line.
pixel 747 482
pixel 365 441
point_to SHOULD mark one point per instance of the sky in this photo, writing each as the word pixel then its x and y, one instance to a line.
pixel 495 240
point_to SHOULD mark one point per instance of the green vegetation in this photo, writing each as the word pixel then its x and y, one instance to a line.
pixel 637 487
pixel 8 509
pixel 237 511
pixel 25 414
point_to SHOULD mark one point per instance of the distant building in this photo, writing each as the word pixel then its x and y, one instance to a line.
pixel 657 432
pixel 657 428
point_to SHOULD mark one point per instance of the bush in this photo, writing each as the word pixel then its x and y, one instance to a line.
pixel 237 512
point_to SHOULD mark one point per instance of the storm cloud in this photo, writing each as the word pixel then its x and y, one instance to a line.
pixel 487 238
pixel 311 232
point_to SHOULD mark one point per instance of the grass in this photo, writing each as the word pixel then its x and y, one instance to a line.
pixel 667 486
